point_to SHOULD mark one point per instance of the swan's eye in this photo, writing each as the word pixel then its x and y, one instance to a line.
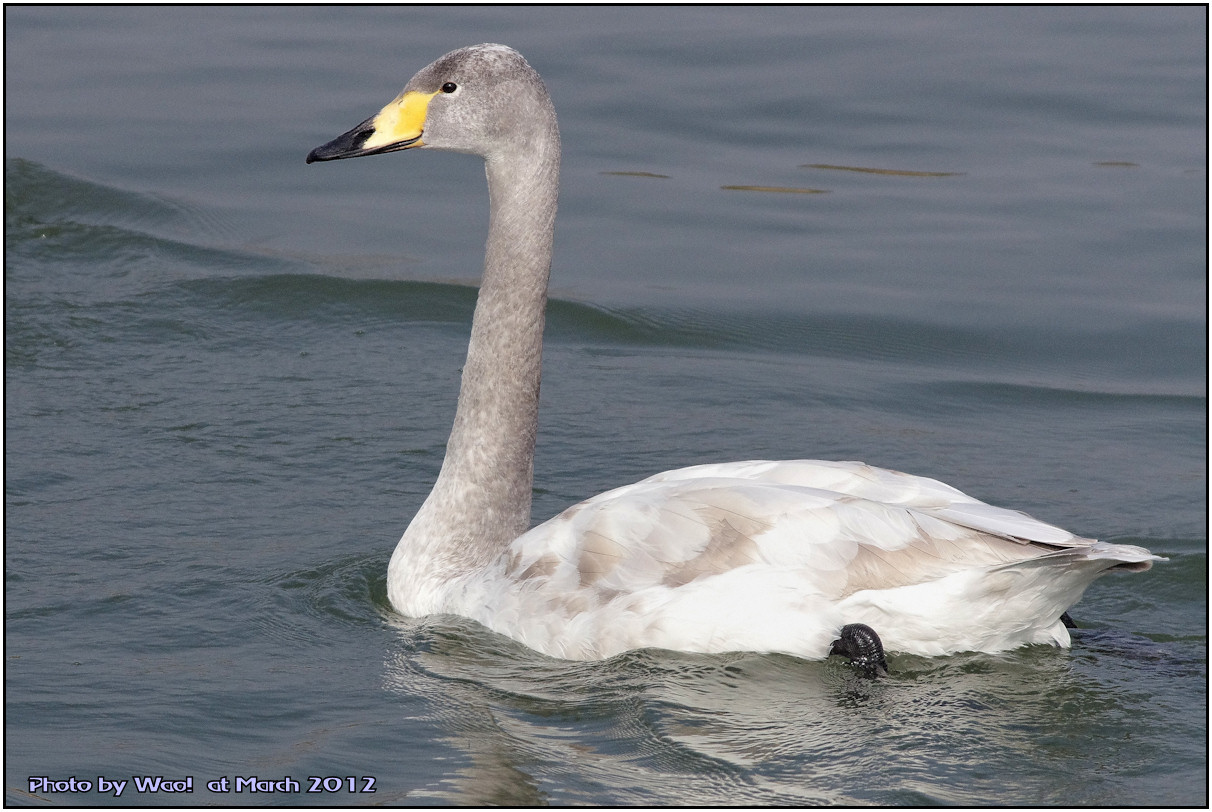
pixel 449 87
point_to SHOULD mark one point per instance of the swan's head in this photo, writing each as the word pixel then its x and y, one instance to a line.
pixel 484 99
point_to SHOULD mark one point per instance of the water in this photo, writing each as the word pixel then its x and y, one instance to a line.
pixel 229 378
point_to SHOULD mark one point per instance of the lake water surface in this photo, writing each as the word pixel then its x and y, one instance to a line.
pixel 230 377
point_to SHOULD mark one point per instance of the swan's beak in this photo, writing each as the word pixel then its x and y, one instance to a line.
pixel 397 126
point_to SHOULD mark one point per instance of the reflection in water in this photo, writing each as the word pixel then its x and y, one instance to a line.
pixel 783 189
pixel 663 727
pixel 870 170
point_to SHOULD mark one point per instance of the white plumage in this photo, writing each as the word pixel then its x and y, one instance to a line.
pixel 778 556
pixel 761 556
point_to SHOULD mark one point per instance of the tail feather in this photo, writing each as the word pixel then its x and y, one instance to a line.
pixel 1124 557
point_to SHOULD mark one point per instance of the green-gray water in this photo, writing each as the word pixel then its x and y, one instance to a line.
pixel 229 378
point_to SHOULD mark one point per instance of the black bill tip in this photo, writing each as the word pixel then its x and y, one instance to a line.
pixel 346 145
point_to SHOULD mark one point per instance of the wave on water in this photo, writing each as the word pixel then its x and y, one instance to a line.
pixel 158 254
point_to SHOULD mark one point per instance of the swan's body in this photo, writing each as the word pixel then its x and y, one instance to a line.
pixel 762 556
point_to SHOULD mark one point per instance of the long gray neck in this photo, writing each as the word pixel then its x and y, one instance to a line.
pixel 481 500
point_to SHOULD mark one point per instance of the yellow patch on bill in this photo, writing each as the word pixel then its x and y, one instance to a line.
pixel 402 120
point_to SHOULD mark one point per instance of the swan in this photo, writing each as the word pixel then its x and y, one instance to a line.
pixel 803 557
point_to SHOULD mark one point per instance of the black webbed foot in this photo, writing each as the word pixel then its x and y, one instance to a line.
pixel 1068 621
pixel 862 645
